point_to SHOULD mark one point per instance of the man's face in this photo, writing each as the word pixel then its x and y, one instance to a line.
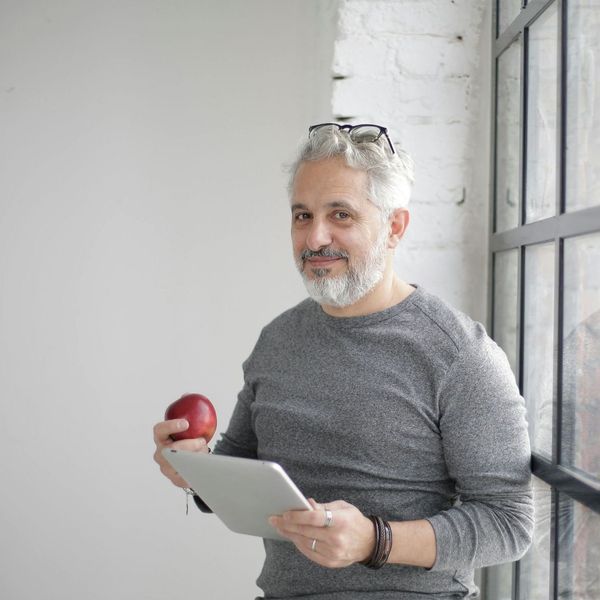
pixel 339 241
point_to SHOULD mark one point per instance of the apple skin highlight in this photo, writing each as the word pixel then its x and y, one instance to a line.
pixel 198 411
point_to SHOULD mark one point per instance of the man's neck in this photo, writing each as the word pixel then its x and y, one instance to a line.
pixel 387 293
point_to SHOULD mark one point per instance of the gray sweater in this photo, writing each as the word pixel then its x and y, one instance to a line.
pixel 408 413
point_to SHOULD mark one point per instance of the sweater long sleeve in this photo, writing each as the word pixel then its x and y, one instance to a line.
pixel 486 446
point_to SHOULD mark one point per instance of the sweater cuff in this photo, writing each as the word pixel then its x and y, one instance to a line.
pixel 442 530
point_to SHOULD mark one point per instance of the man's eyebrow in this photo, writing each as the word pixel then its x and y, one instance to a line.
pixel 341 204
pixel 332 204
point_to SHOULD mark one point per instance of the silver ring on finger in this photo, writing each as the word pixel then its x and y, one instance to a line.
pixel 313 546
pixel 328 518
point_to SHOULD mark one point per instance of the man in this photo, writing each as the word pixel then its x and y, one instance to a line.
pixel 394 411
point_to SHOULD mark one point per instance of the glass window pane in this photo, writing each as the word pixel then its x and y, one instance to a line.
pixel 534 575
pixel 508 131
pixel 498 582
pixel 581 354
pixel 506 272
pixel 538 344
pixel 508 10
pixel 583 105
pixel 540 181
pixel 579 551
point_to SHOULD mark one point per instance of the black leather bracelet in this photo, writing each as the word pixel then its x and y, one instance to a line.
pixel 383 544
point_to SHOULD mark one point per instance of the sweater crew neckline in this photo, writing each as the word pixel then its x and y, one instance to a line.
pixel 370 319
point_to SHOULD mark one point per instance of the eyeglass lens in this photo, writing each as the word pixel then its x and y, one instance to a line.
pixel 365 133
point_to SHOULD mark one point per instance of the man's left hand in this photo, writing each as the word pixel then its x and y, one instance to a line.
pixel 333 535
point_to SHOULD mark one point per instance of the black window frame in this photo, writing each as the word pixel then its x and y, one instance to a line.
pixel 562 480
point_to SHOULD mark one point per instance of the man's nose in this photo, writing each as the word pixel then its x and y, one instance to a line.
pixel 319 236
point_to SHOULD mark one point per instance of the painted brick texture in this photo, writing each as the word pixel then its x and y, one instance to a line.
pixel 422 68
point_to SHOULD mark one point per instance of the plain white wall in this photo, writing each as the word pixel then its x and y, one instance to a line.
pixel 143 244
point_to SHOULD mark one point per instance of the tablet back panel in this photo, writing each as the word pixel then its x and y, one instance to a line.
pixel 242 492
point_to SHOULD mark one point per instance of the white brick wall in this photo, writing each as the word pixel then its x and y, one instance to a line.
pixel 422 68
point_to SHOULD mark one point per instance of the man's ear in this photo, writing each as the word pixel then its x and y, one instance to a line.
pixel 399 220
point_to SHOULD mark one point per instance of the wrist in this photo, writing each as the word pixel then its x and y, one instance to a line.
pixel 382 546
pixel 369 546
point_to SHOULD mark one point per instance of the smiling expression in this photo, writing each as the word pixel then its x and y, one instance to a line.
pixel 337 231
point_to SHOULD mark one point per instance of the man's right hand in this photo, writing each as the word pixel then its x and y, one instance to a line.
pixel 162 439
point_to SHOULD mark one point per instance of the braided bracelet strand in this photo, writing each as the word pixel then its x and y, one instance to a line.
pixel 383 543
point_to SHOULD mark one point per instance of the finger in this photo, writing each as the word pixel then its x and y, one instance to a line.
pixel 336 505
pixel 312 518
pixel 163 463
pixel 319 532
pixel 289 528
pixel 166 467
pixel 327 511
pixel 322 552
pixel 318 552
pixel 191 445
pixel 164 429
pixel 275 522
pixel 303 542
pixel 308 532
pixel 332 505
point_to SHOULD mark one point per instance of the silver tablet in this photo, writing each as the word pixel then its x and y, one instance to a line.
pixel 242 492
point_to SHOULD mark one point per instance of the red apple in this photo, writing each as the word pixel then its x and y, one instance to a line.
pixel 198 411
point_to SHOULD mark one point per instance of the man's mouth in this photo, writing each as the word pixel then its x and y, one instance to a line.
pixel 322 259
pixel 320 262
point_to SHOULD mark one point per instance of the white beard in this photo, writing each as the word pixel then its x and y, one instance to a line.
pixel 349 287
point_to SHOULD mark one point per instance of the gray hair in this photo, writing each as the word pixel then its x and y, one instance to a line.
pixel 389 176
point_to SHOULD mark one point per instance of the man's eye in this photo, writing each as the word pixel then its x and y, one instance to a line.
pixel 341 215
pixel 301 216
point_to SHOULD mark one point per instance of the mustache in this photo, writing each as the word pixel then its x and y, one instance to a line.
pixel 324 252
